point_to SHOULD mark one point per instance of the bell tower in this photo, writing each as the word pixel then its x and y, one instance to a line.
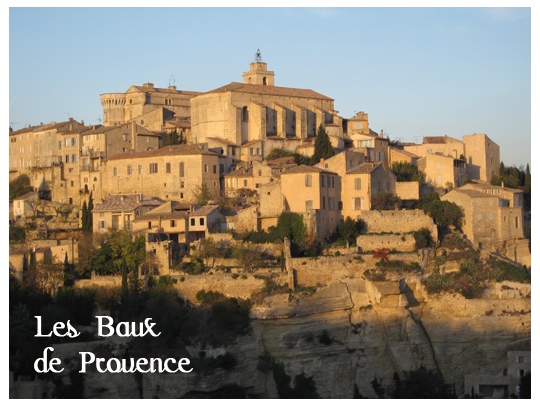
pixel 258 74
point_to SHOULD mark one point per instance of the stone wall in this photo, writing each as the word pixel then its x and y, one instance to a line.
pixel 398 221
pixel 408 190
pixel 404 242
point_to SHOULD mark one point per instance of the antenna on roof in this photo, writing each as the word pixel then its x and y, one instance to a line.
pixel 68 114
pixel 173 81
pixel 258 56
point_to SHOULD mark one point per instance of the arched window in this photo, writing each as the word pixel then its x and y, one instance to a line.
pixel 264 81
pixel 245 114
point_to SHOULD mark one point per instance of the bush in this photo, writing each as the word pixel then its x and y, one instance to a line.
pixel 423 239
pixel 385 201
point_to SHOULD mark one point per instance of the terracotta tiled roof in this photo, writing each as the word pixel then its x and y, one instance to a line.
pixel 269 90
pixel 223 141
pixel 249 143
pixel 127 202
pixel 474 193
pixel 166 90
pixel 204 210
pixel 406 153
pixel 366 167
pixel 172 150
pixel 25 196
pixel 306 169
pixel 242 172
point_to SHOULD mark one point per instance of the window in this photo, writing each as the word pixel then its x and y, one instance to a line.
pixel 358 203
pixel 324 202
pixel 168 167
pixel 308 180
pixel 201 221
pixel 115 171
pixel 129 169
pixel 245 182
pixel 67 158
pixel 125 137
pixel 260 172
pixel 520 359
pixel 309 205
pixel 192 222
pixel 101 224
pixel 214 169
pixel 173 224
pixel 153 168
pixel 182 184
pixel 206 167
pixel 331 203
pixel 322 180
pixel 147 138
pixel 245 114
pixel 149 225
pixel 331 182
pixel 139 169
pixel 357 183
pixel 72 183
pixel 517 222
pixel 479 216
pixel 438 165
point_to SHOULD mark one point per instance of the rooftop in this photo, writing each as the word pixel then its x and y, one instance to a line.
pixel 366 167
pixel 127 202
pixel 237 87
pixel 171 150
pixel 204 210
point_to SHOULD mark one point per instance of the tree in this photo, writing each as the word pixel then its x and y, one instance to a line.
pixel 90 220
pixel 174 138
pixel 383 254
pixel 349 229
pixel 422 384
pixel 385 201
pixel 84 217
pixel 202 194
pixel 250 257
pixel 525 386
pixel 323 146
pixel 68 276
pixel 423 238
pixel 47 275
pixel 443 213
pixel 19 186
pixel 407 172
pixel 280 153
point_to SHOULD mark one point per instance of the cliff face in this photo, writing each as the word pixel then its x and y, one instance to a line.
pixel 348 333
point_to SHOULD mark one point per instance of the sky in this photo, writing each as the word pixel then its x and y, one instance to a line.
pixel 416 71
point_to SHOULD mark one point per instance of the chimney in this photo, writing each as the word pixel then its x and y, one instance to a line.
pixel 321 163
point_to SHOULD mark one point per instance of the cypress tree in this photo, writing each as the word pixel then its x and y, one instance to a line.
pixel 323 146
pixel 68 279
pixel 85 217
pixel 90 208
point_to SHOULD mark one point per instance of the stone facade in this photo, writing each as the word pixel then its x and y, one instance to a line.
pixel 257 109
pixel 403 242
pixel 442 171
pixel 138 102
pixel 308 189
pixel 361 184
pixel 483 157
pixel 174 172
pixel 398 221
pixel 490 222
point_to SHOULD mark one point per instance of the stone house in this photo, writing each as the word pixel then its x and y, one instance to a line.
pixel 174 172
pixel 491 223
pixel 24 205
pixel 362 183
pixel 205 220
pixel 118 211
pixel 443 145
pixel 483 157
pixel 250 176
pixel 315 191
pixel 167 222
pixel 401 155
pixel 442 171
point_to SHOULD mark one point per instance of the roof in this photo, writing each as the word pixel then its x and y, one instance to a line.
pixel 306 169
pixel 521 345
pixel 445 139
pixel 366 167
pixel 248 172
pixel 486 186
pixel 249 143
pixel 154 215
pixel 127 202
pixel 223 141
pixel 171 150
pixel 268 90
pixel 406 153
pixel 473 193
pixel 205 210
pixel 282 160
pixel 164 90
pixel 25 196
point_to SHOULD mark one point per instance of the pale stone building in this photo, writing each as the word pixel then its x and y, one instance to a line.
pixel 362 183
pixel 492 223
pixel 400 155
pixel 147 105
pixel 442 171
pixel 443 145
pixel 314 191
pixel 205 220
pixel 483 157
pixel 362 139
pixel 24 205
pixel 257 110
pixel 175 172
pixel 118 211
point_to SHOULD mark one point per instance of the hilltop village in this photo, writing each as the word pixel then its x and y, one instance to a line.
pixel 265 193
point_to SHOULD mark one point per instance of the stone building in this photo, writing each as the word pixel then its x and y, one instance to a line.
pixel 118 211
pixel 315 191
pixel 174 172
pixel 483 157
pixel 443 145
pixel 491 223
pixel 362 183
pixel 205 220
pixel 361 138
pixel 257 110
pixel 442 171
pixel 146 105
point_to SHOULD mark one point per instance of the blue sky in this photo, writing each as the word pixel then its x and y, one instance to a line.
pixel 416 71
